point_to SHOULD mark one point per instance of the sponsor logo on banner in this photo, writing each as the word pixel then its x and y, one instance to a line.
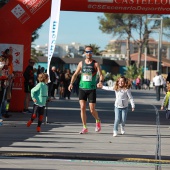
pixel 20 14
pixel 102 1
pixel 139 6
pixel 34 5
pixel 54 21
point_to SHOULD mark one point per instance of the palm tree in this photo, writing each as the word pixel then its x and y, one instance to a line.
pixel 35 54
pixel 133 72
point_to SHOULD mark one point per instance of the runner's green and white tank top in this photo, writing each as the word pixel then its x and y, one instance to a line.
pixel 88 76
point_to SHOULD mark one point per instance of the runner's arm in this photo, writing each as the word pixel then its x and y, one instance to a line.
pixel 73 78
pixel 100 72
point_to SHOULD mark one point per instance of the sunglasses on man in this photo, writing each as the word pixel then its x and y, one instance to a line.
pixel 89 52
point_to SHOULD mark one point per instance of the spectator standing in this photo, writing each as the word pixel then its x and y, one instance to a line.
pixel 62 85
pixel 68 76
pixel 38 72
pixel 51 83
pixel 28 84
pixel 164 85
pixel 58 80
pixel 147 83
pixel 168 78
pixel 138 83
pixel 158 82
pixel 134 84
pixel 55 84
pixel 76 85
pixel 42 70
pixel 35 76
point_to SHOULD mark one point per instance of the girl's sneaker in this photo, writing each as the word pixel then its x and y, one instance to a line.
pixel 29 123
pixel 114 133
pixel 38 129
pixel 84 130
pixel 122 129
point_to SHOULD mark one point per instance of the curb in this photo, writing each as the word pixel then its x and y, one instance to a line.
pixel 78 156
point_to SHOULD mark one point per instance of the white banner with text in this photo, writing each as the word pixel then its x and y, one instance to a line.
pixel 53 31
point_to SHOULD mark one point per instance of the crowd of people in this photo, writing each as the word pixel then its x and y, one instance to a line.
pixel 57 87
pixel 141 83
pixel 41 88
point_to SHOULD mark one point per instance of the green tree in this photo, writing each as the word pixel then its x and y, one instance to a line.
pixel 133 72
pixel 118 25
pixel 115 77
pixel 125 24
pixel 35 34
pixel 34 53
pixel 143 30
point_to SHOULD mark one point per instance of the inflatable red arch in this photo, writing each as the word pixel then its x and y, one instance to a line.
pixel 19 18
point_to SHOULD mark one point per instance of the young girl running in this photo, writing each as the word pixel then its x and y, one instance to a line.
pixel 123 93
pixel 39 95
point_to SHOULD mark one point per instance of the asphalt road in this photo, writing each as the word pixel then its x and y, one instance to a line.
pixel 60 147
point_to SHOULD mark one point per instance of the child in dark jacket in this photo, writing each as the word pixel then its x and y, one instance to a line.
pixel 39 95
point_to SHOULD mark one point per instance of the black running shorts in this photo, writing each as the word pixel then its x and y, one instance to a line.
pixel 87 94
pixel 38 110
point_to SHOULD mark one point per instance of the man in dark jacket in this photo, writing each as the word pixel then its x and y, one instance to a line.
pixel 51 83
pixel 168 78
pixel 28 84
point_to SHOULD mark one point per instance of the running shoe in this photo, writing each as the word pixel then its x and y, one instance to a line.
pixel 29 123
pixel 84 130
pixel 98 127
pixel 38 129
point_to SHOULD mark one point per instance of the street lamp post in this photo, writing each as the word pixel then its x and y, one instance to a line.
pixel 145 62
pixel 159 67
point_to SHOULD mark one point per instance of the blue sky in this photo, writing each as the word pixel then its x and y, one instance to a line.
pixel 79 27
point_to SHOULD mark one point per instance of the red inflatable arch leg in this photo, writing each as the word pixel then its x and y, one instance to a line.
pixel 19 18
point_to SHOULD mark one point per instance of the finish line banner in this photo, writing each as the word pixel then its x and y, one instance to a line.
pixel 53 31
pixel 118 6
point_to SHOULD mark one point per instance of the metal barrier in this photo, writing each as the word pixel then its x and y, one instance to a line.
pixel 158 140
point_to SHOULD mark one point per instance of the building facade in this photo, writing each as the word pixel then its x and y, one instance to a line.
pixel 62 50
pixel 118 48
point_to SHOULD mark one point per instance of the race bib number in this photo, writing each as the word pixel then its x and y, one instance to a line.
pixel 87 77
